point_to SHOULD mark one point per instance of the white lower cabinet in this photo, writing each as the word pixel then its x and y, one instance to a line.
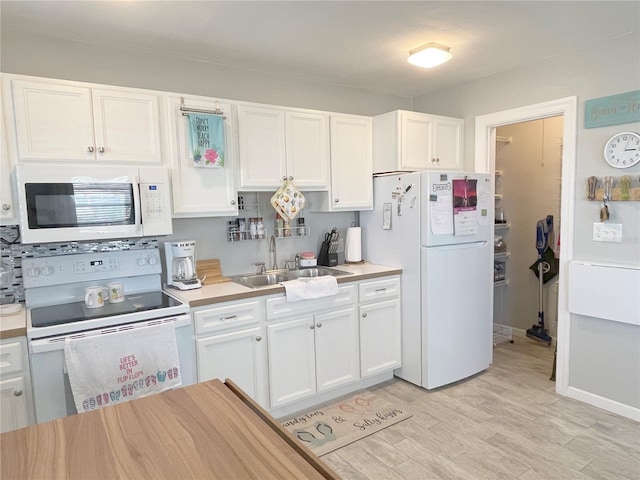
pixel 240 356
pixel 231 343
pixel 311 354
pixel 380 323
pixel 16 405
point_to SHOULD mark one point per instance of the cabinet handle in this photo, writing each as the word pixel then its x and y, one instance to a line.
pixel 437 159
pixel 100 149
pixel 233 202
pixel 90 149
pixel 312 326
pixel 17 393
pixel 258 338
pixel 284 177
pixel 433 159
pixel 6 206
pixel 319 324
pixel 381 290
pixel 337 200
pixel 291 177
pixel 364 315
pixel 230 317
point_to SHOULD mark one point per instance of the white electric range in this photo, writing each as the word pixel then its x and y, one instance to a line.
pixel 54 297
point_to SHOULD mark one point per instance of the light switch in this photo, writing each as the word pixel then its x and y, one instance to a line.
pixel 607 232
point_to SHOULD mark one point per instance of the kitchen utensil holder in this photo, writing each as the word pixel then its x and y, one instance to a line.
pixel 325 258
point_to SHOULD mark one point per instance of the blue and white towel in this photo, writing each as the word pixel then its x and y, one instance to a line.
pixel 207 139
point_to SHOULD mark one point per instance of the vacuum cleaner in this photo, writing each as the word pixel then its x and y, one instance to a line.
pixel 544 238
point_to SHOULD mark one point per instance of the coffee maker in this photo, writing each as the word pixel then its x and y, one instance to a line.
pixel 181 265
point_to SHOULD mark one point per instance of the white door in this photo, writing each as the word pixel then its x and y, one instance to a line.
pixel 292 366
pixel 200 191
pixel 239 356
pixel 448 144
pixel 261 135
pixel 380 344
pixel 457 283
pixel 337 350
pixel 8 207
pixel 351 163
pixel 53 122
pixel 13 404
pixel 416 151
pixel 127 126
pixel 307 147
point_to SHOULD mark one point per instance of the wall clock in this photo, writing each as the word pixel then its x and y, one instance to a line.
pixel 623 150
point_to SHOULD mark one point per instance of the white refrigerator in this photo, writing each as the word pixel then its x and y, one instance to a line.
pixel 438 227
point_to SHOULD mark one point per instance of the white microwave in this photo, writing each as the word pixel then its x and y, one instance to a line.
pixel 60 203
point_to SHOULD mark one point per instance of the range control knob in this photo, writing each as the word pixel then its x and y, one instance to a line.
pixel 33 272
pixel 153 260
pixel 142 261
pixel 46 270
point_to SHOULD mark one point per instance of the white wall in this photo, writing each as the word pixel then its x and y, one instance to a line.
pixel 610 68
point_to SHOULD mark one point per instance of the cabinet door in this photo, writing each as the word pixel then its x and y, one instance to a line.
pixel 416 151
pixel 8 211
pixel 379 337
pixel 261 133
pixel 337 350
pixel 448 144
pixel 307 148
pixel 13 404
pixel 200 191
pixel 127 126
pixel 53 122
pixel 291 361
pixel 239 356
pixel 351 163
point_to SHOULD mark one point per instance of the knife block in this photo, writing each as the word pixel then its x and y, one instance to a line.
pixel 325 258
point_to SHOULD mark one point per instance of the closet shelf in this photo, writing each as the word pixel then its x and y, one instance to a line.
pixel 501 255
pixel 501 283
pixel 502 226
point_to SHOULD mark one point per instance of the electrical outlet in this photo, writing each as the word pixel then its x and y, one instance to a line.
pixel 607 232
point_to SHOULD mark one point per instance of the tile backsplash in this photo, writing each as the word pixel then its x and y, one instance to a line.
pixel 13 252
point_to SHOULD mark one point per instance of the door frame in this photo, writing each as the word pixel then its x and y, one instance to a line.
pixel 485 149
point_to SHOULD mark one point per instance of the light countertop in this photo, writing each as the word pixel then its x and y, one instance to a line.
pixel 228 291
pixel 15 325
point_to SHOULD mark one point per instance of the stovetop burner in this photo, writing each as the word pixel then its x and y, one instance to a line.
pixel 77 312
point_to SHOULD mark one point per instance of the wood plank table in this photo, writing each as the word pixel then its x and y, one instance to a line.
pixel 210 430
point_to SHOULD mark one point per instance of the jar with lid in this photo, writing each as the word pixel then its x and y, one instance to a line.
pixel 279 225
pixel 286 231
pixel 260 227
pixel 233 231
pixel 242 227
pixel 302 230
pixel 253 228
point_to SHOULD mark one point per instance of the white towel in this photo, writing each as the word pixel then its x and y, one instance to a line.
pixel 111 368
pixel 311 287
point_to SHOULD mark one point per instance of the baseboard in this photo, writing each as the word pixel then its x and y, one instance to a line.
pixel 604 403
pixel 307 403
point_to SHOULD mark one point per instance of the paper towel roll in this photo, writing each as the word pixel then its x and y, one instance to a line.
pixel 353 245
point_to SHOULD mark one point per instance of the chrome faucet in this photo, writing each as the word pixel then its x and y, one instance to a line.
pixel 261 268
pixel 272 249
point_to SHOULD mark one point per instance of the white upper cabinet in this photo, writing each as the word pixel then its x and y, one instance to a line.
pixel 351 166
pixel 71 122
pixel 200 191
pixel 412 141
pixel 277 143
pixel 8 207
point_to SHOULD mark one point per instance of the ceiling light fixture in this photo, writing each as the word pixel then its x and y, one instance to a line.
pixel 429 55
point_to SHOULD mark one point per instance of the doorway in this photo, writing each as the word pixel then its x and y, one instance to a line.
pixel 528 181
pixel 485 149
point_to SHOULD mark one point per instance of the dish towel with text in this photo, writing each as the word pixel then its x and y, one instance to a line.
pixel 207 139
pixel 106 369
pixel 309 288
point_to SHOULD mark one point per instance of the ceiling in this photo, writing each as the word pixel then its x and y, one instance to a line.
pixel 358 44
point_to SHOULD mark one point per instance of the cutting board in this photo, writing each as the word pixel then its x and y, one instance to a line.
pixel 210 268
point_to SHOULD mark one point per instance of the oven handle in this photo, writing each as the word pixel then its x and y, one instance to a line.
pixel 57 343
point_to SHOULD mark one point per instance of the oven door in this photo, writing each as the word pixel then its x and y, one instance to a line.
pixel 51 390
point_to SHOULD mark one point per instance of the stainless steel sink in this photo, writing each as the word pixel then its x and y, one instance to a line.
pixel 266 279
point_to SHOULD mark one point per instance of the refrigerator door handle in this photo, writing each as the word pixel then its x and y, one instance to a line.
pixel 459 246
